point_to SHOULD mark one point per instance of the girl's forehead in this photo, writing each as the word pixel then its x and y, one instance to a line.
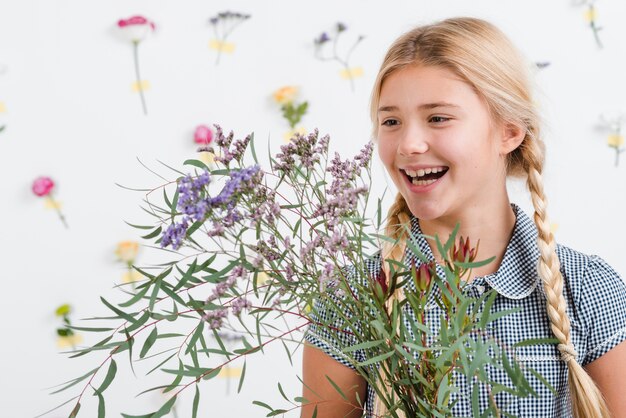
pixel 425 86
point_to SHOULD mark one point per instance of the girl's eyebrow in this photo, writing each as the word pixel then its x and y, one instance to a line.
pixel 426 106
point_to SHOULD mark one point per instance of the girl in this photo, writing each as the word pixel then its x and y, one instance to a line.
pixel 453 117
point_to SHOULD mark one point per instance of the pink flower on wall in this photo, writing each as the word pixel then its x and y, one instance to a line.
pixel 203 135
pixel 43 187
pixel 135 29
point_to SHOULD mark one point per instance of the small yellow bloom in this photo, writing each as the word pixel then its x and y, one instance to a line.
pixel 291 133
pixel 222 46
pixel 131 276
pixel 349 73
pixel 286 94
pixel 590 15
pixel 230 372
pixel 3 107
pixel 69 341
pixel 140 86
pixel 207 157
pixel 127 251
pixel 262 278
pixel 615 140
pixel 63 310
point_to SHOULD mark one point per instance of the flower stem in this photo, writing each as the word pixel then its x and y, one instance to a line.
pixel 139 85
pixel 54 204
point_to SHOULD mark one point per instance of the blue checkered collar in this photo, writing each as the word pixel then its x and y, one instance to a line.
pixel 516 277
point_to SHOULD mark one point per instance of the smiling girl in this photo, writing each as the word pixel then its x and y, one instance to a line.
pixel 453 117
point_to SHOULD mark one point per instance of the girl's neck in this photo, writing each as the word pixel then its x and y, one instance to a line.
pixel 492 225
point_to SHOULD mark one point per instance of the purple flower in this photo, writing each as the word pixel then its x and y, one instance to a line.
pixel 175 234
pixel 308 149
pixel 323 38
pixel 239 305
pixel 215 318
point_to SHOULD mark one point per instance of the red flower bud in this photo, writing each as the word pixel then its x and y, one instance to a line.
pixel 381 279
pixel 422 276
pixel 463 253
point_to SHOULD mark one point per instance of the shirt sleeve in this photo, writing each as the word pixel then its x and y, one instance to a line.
pixel 334 327
pixel 603 309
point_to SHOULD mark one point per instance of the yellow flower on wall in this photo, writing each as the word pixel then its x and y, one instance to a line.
pixel 615 140
pixel 222 46
pixel 69 341
pixel 127 251
pixel 286 94
pixel 292 111
pixel 350 73
pixel 293 132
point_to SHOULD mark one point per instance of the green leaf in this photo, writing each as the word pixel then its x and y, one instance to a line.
pixel 165 409
pixel 130 340
pixel 101 407
pixel 264 405
pixel 119 312
pixel 243 373
pixel 196 402
pixel 136 297
pixel 109 377
pixel 376 359
pixel 188 274
pixel 197 163
pixel 536 341
pixel 276 412
pixel 153 234
pixel 139 226
pixel 484 318
pixel 194 338
pixel 86 329
pixel 140 322
pixel 337 388
pixel 363 346
pixel 154 334
pixel 73 382
pixel 179 376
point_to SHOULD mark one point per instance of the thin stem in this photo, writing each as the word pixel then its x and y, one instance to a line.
pixel 54 204
pixel 139 85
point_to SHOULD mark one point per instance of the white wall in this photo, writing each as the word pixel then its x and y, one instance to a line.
pixel 70 114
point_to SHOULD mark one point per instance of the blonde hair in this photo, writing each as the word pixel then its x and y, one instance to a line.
pixel 481 55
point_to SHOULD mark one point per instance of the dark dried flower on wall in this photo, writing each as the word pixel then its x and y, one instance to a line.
pixel 223 24
pixel 322 51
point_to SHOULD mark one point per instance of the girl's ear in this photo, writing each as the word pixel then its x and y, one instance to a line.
pixel 511 137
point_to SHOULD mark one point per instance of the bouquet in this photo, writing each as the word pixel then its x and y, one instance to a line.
pixel 256 253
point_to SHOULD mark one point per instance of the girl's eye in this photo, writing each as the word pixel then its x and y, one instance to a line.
pixel 438 119
pixel 390 122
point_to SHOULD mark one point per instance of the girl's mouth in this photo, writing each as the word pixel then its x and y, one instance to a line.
pixel 426 176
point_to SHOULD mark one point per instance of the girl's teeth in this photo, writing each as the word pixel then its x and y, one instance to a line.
pixel 422 182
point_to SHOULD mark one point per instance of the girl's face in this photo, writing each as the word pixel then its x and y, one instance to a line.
pixel 439 144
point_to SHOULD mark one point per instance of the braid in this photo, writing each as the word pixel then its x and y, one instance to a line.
pixel 587 401
pixel 398 221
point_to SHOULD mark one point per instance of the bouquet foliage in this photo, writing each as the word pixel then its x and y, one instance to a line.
pixel 256 253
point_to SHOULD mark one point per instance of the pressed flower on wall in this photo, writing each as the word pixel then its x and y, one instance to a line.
pixel 3 109
pixel 203 137
pixel 613 123
pixel 66 337
pixel 126 252
pixel 325 52
pixel 591 18
pixel 136 29
pixel 43 187
pixel 223 24
pixel 292 110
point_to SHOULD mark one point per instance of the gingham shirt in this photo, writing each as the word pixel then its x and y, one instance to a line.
pixel 596 306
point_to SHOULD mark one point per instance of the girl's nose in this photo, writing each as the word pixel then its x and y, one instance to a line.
pixel 413 141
